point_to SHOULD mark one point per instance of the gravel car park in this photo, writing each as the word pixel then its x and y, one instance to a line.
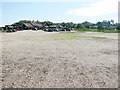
pixel 59 60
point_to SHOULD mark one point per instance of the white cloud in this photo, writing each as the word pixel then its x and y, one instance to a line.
pixel 103 7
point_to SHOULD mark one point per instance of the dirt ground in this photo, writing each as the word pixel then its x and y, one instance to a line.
pixel 37 59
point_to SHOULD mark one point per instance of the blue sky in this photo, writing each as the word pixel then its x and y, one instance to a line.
pixel 76 12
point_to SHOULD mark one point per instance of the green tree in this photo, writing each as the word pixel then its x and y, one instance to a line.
pixel 74 25
pixel 87 24
pixel 118 26
pixel 48 23
pixel 112 21
pixel 63 24
pixel 99 24
pixel 104 23
pixel 18 24
pixel 80 26
pixel 69 25
pixel 38 22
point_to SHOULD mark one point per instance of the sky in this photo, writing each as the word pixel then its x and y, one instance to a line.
pixel 76 11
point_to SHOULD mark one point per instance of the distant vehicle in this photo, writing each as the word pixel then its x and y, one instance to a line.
pixel 9 31
pixel 14 30
pixel 50 30
pixel 55 29
pixel 61 29
pixel 45 29
pixel 68 29
pixel 18 29
pixel 72 29
pixel 34 29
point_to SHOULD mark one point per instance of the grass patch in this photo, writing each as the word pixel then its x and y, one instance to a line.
pixel 3 32
pixel 96 30
pixel 4 52
pixel 70 36
pixel 98 37
pixel 92 37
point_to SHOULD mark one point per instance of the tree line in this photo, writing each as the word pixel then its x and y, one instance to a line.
pixel 105 24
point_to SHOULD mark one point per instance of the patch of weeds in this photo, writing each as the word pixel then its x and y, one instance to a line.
pixel 92 37
pixel 3 32
pixel 97 30
pixel 115 39
pixel 98 37
pixel 4 52
pixel 41 77
pixel 71 36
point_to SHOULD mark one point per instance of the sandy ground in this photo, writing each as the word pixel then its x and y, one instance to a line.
pixel 51 59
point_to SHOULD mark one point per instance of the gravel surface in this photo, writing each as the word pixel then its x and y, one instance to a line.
pixel 37 59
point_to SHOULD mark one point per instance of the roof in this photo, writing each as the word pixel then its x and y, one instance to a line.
pixel 28 24
pixel 36 24
pixel 60 26
pixel 53 26
pixel 46 26
pixel 9 26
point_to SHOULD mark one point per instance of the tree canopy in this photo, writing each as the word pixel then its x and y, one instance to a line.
pixel 105 24
pixel 18 24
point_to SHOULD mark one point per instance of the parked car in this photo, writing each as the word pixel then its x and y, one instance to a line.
pixel 34 29
pixel 55 29
pixel 61 29
pixel 68 29
pixel 9 31
pixel 45 29
pixel 14 30
pixel 50 30
pixel 72 29
pixel 18 29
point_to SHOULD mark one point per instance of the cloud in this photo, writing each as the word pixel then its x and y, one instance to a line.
pixel 100 8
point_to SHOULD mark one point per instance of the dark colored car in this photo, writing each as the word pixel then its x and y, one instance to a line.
pixel 72 29
pixel 50 30
pixel 45 29
pixel 68 29
pixel 55 29
pixel 9 31
pixel 34 29
pixel 61 29
pixel 13 30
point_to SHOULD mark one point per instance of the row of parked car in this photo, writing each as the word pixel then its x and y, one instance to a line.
pixel 45 29
pixel 57 29
pixel 13 30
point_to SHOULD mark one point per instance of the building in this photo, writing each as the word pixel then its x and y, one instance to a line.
pixel 8 27
pixel 36 25
pixel 55 26
pixel 93 27
pixel 27 26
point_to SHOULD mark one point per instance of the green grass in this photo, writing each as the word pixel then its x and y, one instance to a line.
pixel 96 30
pixel 71 36
pixel 3 32
pixel 98 37
pixel 4 52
